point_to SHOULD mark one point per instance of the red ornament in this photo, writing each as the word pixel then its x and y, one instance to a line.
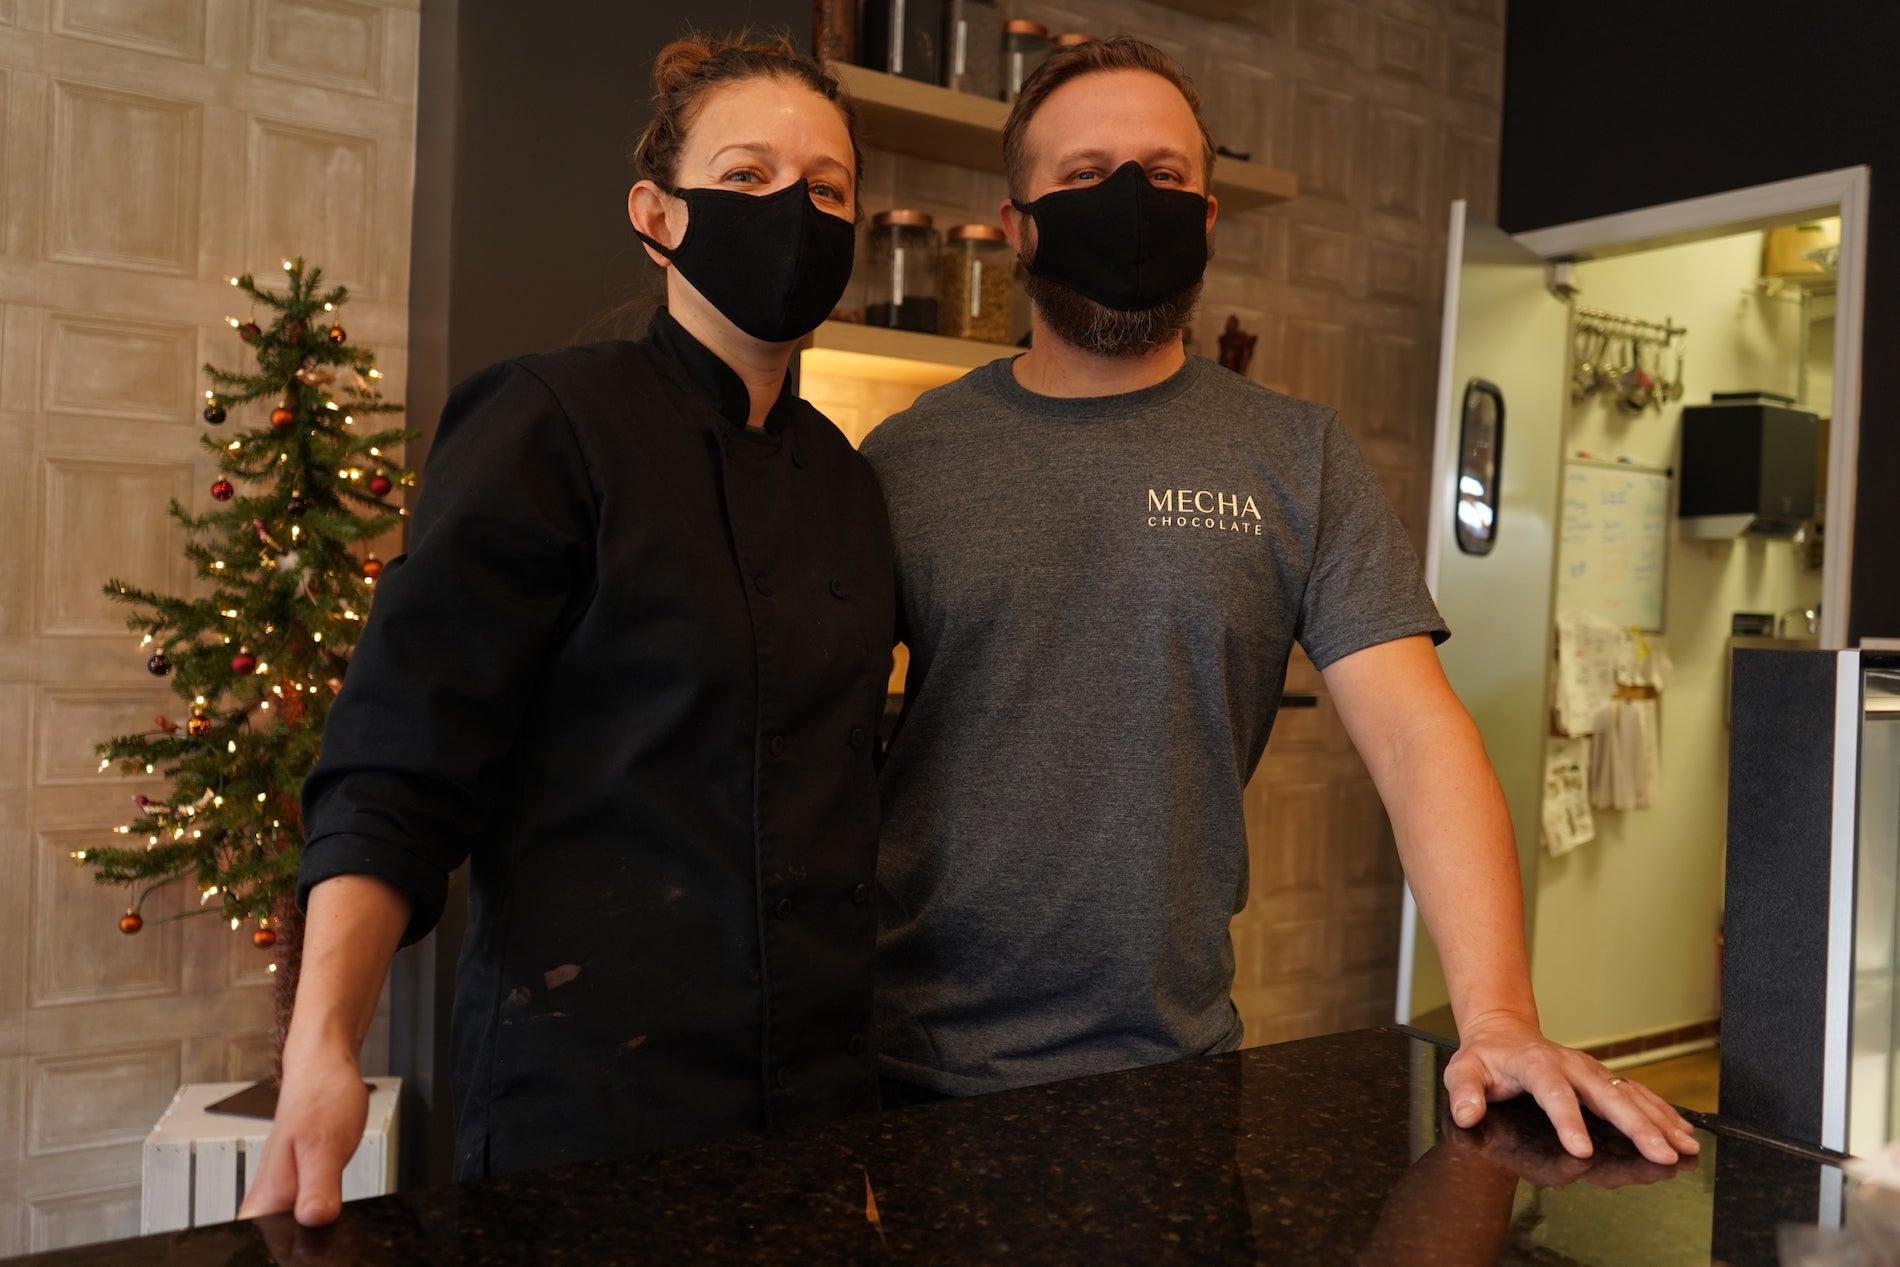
pixel 263 939
pixel 249 332
pixel 130 923
pixel 372 567
pixel 223 489
pixel 336 334
pixel 379 484
pixel 243 662
pixel 281 417
pixel 165 724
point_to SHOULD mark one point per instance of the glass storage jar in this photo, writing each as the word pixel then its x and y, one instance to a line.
pixel 902 293
pixel 1025 44
pixel 903 37
pixel 973 289
pixel 973 48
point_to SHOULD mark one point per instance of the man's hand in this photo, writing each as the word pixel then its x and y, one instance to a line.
pixel 1501 1056
pixel 320 1115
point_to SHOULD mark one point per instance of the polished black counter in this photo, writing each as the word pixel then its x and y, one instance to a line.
pixel 1330 1150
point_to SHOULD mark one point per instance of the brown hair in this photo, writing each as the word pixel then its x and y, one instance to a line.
pixel 1123 52
pixel 688 68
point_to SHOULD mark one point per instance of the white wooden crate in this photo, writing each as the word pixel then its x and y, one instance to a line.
pixel 194 1161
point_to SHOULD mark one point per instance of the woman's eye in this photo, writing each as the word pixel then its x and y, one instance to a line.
pixel 1085 175
pixel 741 175
pixel 827 191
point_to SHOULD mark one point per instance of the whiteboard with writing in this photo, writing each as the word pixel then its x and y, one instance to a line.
pixel 1615 539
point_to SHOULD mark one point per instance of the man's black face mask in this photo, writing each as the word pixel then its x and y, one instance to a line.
pixel 1123 242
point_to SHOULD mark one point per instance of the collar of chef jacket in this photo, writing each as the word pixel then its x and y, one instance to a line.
pixel 719 381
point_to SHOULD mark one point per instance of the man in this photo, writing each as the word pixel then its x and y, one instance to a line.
pixel 1106 549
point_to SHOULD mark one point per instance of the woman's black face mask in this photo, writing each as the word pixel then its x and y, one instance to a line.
pixel 772 264
pixel 1123 242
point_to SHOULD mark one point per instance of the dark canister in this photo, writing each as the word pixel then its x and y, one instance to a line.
pixel 834 30
pixel 973 47
pixel 903 37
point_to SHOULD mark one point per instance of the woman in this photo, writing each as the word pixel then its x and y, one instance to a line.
pixel 631 667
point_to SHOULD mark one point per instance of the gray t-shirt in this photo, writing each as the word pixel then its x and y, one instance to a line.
pixel 1100 596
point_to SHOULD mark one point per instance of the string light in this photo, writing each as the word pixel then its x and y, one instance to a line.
pixel 270 967
pixel 148 769
pixel 79 855
pixel 287 266
pixel 124 831
pixel 375 373
pixel 233 322
pixel 218 564
pixel 230 745
pixel 260 798
pixel 234 281
pixel 105 764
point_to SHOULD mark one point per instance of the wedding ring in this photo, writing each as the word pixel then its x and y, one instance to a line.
pixel 1617 1080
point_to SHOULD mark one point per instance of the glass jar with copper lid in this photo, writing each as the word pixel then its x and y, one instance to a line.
pixel 973 289
pixel 1025 45
pixel 902 292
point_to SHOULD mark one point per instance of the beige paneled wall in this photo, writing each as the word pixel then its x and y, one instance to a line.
pixel 147 152
pixel 1386 110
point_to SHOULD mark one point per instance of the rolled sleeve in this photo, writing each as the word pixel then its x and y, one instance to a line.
pixel 499 564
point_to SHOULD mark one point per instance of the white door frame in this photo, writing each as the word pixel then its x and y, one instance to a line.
pixel 1842 192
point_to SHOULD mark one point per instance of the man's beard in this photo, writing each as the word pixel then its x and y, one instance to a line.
pixel 1112 332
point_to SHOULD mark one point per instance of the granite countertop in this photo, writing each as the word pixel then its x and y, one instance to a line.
pixel 1329 1150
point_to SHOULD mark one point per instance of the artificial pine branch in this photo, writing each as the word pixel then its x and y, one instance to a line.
pixel 258 654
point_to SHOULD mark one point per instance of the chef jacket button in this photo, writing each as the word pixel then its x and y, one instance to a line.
pixel 858 736
pixel 763 585
pixel 857 1045
pixel 838 590
pixel 783 1077
pixel 776 745
pixel 784 908
pixel 861 895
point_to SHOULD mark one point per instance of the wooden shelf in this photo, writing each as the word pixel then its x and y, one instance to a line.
pixel 925 121
pixel 849 349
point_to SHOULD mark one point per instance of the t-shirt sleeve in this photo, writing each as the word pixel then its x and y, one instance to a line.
pixel 1366 586
pixel 499 560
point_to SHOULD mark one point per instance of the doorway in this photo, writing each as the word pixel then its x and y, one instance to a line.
pixel 1624 939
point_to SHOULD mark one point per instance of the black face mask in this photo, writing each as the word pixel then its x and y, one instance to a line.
pixel 772 264
pixel 1123 242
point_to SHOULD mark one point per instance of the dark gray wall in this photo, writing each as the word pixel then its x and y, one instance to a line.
pixel 525 114
pixel 1620 104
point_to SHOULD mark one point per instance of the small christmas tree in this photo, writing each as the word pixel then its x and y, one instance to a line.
pixel 259 654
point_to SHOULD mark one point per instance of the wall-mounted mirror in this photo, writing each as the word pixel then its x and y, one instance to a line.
pixel 1480 459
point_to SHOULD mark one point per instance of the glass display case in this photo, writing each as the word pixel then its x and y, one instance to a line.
pixel 1873 1082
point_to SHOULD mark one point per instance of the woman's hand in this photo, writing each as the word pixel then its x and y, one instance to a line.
pixel 321 1110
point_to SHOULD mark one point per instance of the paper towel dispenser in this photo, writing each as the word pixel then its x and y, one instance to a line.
pixel 1748 466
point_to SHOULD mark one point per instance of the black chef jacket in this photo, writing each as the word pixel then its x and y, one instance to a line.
pixel 631 668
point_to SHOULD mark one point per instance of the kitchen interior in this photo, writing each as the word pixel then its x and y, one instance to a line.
pixel 1346 131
